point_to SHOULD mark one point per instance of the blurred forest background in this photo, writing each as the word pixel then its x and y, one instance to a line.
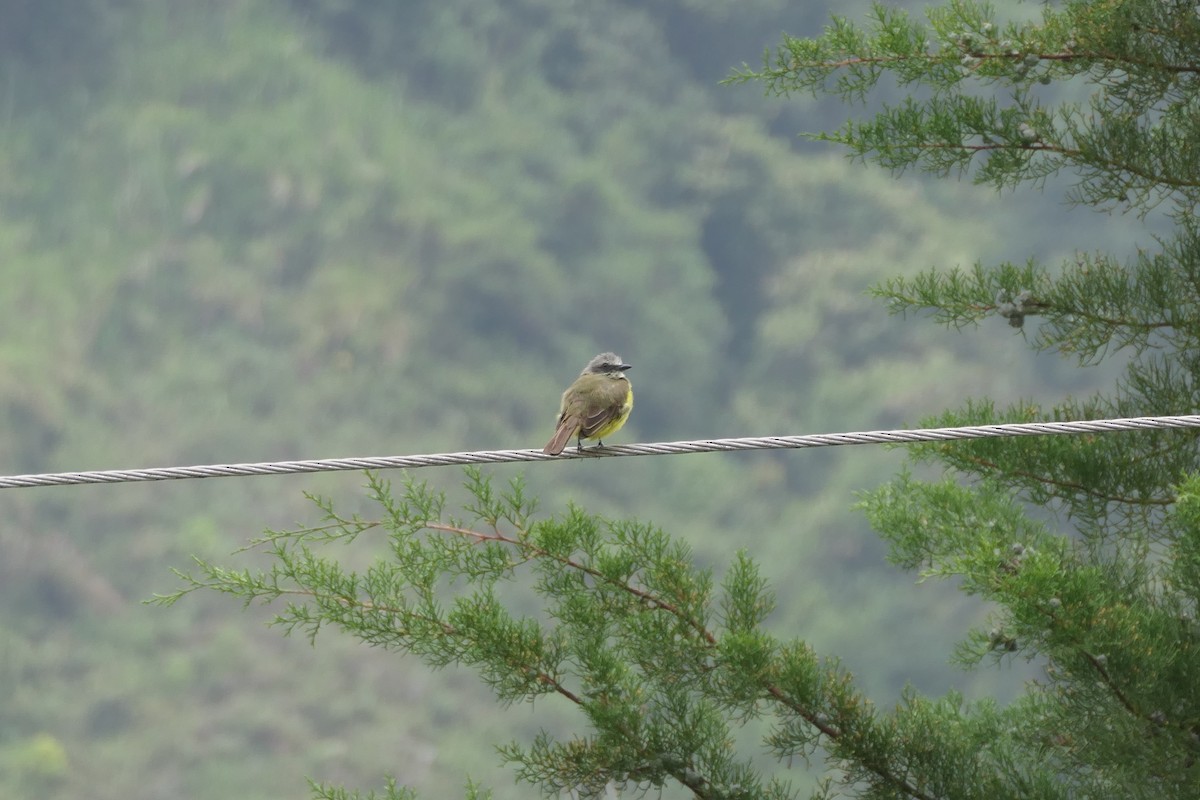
pixel 251 230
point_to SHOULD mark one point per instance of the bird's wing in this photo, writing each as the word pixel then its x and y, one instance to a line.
pixel 608 412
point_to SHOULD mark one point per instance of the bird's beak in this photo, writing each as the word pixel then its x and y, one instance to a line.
pixel 624 367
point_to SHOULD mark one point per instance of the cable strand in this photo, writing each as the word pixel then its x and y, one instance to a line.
pixel 903 436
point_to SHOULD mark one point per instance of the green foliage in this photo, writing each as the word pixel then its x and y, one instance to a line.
pixel 662 663
pixel 259 230
pixel 38 765
pixel 390 792
pixel 1106 604
pixel 1114 627
pixel 1129 146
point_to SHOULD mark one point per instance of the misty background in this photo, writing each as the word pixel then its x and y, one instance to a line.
pixel 259 230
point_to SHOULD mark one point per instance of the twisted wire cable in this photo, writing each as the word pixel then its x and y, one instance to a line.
pixel 903 436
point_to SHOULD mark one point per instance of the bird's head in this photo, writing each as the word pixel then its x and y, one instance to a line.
pixel 606 364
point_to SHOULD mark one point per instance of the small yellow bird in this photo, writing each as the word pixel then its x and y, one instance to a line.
pixel 595 405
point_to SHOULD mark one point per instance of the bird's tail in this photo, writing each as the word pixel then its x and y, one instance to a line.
pixel 566 429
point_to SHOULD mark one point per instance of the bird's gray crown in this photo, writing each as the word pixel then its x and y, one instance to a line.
pixel 605 362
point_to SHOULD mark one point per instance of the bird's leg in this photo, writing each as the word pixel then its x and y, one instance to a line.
pixel 579 445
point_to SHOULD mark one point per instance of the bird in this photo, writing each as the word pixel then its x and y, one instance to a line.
pixel 595 405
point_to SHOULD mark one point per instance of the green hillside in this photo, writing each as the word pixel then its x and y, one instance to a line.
pixel 254 230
